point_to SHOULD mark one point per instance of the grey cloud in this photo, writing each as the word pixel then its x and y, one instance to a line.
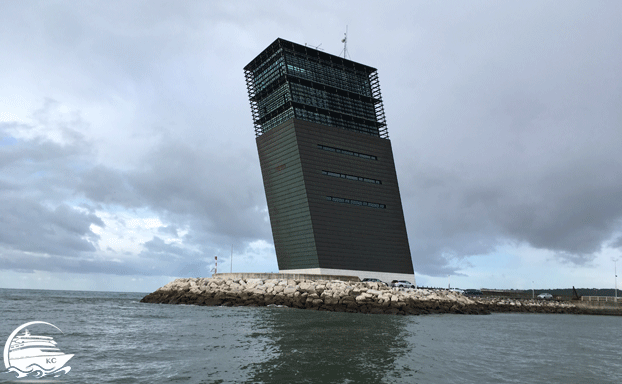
pixel 157 246
pixel 513 140
pixel 224 188
pixel 31 227
pixel 17 260
pixel 176 260
pixel 617 243
pixel 168 230
pixel 104 185
pixel 572 210
pixel 218 196
pixel 221 193
pixel 37 176
pixel 577 211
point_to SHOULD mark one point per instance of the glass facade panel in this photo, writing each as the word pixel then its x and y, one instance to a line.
pixel 307 84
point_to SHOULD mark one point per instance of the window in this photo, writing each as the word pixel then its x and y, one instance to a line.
pixel 351 177
pixel 346 152
pixel 355 202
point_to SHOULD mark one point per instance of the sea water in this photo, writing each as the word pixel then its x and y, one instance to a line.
pixel 117 339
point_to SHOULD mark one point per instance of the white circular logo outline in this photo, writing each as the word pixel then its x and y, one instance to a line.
pixel 7 364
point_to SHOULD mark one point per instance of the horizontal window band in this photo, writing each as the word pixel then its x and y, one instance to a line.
pixel 351 177
pixel 346 152
pixel 355 202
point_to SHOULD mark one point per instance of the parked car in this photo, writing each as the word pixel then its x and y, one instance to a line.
pixel 372 280
pixel 457 290
pixel 472 292
pixel 545 296
pixel 402 284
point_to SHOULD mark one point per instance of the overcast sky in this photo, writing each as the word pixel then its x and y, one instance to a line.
pixel 128 155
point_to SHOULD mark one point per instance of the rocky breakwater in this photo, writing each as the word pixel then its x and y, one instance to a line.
pixel 497 304
pixel 337 296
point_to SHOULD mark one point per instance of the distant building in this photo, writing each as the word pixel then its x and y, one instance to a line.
pixel 327 164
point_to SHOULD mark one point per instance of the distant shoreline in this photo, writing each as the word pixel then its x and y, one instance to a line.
pixel 350 296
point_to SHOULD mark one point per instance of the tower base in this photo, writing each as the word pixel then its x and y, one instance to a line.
pixel 387 277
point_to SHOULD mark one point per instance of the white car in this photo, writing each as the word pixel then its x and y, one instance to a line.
pixel 457 290
pixel 371 280
pixel 545 296
pixel 402 284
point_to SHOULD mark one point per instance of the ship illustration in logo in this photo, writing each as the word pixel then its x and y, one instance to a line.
pixel 33 355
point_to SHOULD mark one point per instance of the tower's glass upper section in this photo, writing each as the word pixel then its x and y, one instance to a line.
pixel 289 80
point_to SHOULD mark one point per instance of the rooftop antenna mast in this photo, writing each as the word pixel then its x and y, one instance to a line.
pixel 315 46
pixel 346 55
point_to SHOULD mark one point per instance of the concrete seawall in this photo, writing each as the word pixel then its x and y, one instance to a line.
pixel 343 296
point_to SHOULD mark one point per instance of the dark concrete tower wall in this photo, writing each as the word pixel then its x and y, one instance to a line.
pixel 370 235
pixel 286 195
pixel 326 162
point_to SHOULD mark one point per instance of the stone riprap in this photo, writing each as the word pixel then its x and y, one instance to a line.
pixel 340 296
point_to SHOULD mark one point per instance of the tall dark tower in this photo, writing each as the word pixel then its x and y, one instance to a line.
pixel 327 164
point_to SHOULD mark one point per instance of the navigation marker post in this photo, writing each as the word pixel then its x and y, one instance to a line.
pixel 215 269
pixel 533 292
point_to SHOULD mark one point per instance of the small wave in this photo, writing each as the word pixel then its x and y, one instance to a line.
pixel 37 371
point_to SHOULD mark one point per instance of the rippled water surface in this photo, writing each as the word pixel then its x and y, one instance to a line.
pixel 116 339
